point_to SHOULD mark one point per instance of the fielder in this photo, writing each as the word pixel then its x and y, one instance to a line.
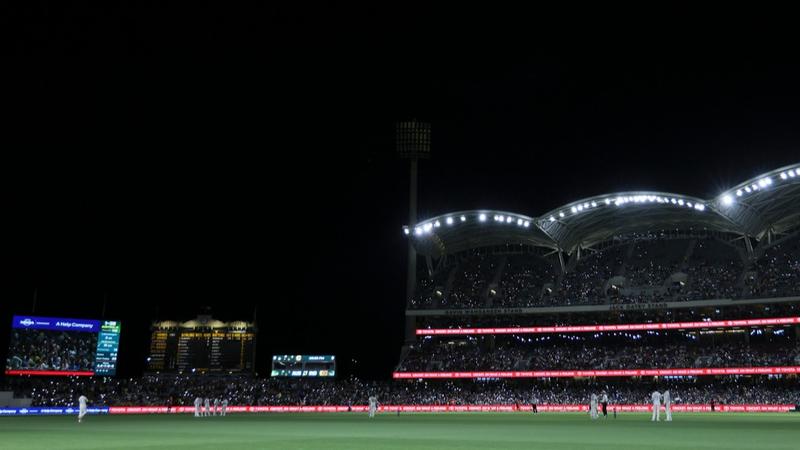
pixel 207 405
pixel 197 402
pixel 216 405
pixel 656 397
pixel 593 406
pixel 373 406
pixel 82 407
pixel 668 405
pixel 224 407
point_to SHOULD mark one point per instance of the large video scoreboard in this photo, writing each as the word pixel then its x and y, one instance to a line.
pixel 303 366
pixel 60 346
pixel 202 344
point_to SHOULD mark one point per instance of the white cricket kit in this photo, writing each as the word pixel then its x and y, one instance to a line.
pixel 373 406
pixel 82 407
pixel 668 405
pixel 216 405
pixel 224 406
pixel 656 396
pixel 207 405
pixel 197 402
pixel 593 406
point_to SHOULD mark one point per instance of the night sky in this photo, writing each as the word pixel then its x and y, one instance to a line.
pixel 175 159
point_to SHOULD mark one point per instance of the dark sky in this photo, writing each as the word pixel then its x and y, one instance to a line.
pixel 230 156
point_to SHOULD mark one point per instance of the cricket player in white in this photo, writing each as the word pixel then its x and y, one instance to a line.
pixel 82 407
pixel 197 402
pixel 668 405
pixel 593 406
pixel 207 404
pixel 656 396
pixel 373 406
pixel 216 405
pixel 224 406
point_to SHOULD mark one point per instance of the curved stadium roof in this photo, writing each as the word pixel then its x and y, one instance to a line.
pixel 769 202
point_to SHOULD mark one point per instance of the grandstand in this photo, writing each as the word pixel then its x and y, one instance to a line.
pixel 650 258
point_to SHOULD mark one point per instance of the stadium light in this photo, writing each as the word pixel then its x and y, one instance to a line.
pixel 739 193
pixel 783 176
pixel 791 173
pixel 437 224
pixel 574 209
pixel 527 224
pixel 449 220
pixel 700 207
pixel 519 222
pixel 560 214
pixel 552 219
pixel 727 200
pixel 418 231
pixel 463 218
pixel 482 217
pixel 406 231
pixel 428 227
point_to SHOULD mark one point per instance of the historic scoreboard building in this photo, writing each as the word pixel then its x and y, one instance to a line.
pixel 202 344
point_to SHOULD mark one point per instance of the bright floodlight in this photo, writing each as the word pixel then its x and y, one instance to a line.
pixel 747 189
pixel 791 173
pixel 463 218
pixel 699 207
pixel 727 200
pixel 739 193
pixel 449 220
pixel 574 209
pixel 406 231
pixel 482 217
pixel 561 214
pixel 783 176
pixel 552 219
pixel 519 221
pixel 763 182
pixel 509 219
pixel 437 224
pixel 418 231
pixel 527 224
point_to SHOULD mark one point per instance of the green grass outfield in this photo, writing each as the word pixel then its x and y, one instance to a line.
pixel 354 431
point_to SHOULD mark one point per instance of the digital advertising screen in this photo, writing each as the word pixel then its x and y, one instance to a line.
pixel 303 366
pixel 59 346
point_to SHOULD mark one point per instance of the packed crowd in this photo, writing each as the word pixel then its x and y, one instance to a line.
pixel 51 350
pixel 523 281
pixel 597 352
pixel 649 270
pixel 469 284
pixel 182 390
pixel 777 272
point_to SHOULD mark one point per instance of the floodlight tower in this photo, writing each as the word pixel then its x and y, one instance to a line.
pixel 413 143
